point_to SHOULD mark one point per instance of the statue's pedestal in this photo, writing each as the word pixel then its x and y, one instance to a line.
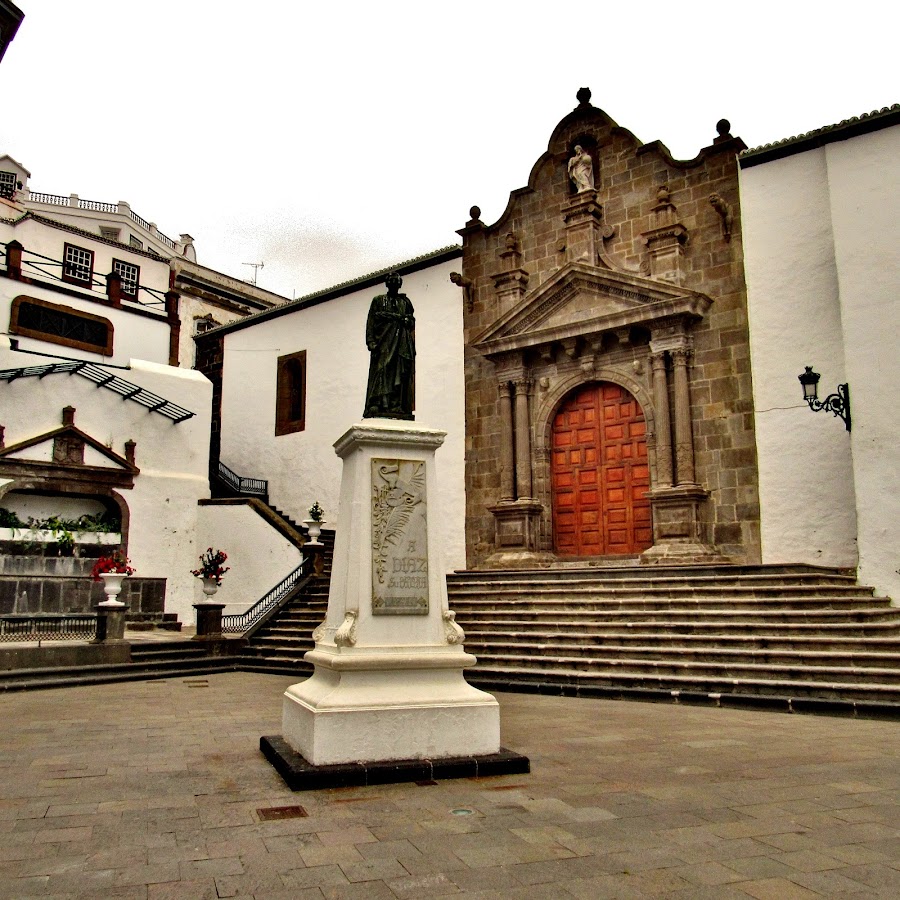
pixel 388 685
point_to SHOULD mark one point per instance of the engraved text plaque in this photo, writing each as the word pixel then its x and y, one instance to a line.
pixel 399 541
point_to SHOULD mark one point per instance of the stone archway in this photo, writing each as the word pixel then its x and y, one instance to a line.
pixel 600 473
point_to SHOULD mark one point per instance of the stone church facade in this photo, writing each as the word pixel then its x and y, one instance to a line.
pixel 609 405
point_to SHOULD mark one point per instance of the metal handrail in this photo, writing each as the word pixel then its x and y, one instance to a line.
pixel 66 627
pixel 238 623
pixel 258 487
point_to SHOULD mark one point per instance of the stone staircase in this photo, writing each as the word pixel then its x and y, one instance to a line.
pixel 791 637
pixel 278 644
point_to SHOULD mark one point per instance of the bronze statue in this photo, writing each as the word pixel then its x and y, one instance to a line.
pixel 390 337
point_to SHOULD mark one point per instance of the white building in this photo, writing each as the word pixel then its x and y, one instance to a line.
pixel 821 237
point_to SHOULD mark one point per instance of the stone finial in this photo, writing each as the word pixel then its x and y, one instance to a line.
pixel 68 415
pixel 129 451
pixel 723 127
pixel 583 96
pixel 663 195
pixel 725 214
pixel 474 216
pixel 512 242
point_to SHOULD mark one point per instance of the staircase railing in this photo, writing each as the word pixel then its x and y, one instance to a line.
pixel 256 487
pixel 239 623
pixel 68 627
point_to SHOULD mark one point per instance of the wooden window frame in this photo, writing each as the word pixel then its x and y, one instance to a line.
pixel 15 328
pixel 137 280
pixel 288 419
pixel 71 279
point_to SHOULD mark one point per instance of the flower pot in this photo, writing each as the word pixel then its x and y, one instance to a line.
pixel 209 589
pixel 112 587
pixel 314 529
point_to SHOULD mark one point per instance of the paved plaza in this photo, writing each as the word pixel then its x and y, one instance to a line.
pixel 157 790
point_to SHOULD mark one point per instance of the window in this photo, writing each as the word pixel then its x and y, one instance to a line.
pixel 135 242
pixel 111 234
pixel 78 265
pixel 7 184
pixel 131 277
pixel 45 321
pixel 290 406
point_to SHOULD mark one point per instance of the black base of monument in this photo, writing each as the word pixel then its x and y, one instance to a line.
pixel 299 775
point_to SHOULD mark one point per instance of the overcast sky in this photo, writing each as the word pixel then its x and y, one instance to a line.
pixel 327 140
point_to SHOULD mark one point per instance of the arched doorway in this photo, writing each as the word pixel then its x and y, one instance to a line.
pixel 599 473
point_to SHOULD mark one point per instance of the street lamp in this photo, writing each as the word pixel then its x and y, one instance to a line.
pixel 838 403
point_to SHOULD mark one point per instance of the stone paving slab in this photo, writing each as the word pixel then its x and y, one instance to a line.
pixel 152 791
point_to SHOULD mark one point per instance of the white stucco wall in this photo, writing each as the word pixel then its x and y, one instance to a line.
pixel 820 239
pixel 864 185
pixel 258 555
pixel 302 467
pixel 172 457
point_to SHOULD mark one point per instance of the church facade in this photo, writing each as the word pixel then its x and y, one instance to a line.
pixel 609 404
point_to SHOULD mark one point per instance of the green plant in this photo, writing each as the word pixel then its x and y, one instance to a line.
pixel 8 519
pixel 316 513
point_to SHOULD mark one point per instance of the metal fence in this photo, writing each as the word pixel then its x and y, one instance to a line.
pixel 48 627
pixel 258 487
pixel 241 622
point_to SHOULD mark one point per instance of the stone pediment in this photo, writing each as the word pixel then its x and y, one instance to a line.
pixel 68 454
pixel 581 300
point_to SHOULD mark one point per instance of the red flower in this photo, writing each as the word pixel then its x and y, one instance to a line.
pixel 118 562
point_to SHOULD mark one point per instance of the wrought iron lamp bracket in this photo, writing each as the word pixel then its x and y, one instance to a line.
pixel 838 404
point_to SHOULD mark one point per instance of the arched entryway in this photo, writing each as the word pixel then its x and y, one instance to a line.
pixel 599 473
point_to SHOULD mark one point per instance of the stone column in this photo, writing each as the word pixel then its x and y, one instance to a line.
pixel 523 440
pixel 684 442
pixel 507 487
pixel 663 422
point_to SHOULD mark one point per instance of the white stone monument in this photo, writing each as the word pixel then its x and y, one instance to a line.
pixel 388 682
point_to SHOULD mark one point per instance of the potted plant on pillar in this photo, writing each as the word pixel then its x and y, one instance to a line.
pixel 315 522
pixel 112 570
pixel 211 571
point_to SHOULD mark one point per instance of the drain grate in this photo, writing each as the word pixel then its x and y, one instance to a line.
pixel 273 813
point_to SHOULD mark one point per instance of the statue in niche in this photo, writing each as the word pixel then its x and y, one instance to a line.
pixel 390 337
pixel 581 170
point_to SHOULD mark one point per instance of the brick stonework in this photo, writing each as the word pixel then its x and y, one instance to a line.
pixel 674 237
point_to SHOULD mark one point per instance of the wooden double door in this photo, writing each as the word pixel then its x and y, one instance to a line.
pixel 599 474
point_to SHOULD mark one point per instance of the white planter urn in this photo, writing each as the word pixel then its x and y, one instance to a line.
pixel 315 529
pixel 112 587
pixel 209 589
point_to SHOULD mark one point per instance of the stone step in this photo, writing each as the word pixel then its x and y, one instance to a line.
pixel 709 652
pixel 673 642
pixel 539 606
pixel 650 620
pixel 763 576
pixel 511 676
pixel 700 669
pixel 653 592
pixel 67 676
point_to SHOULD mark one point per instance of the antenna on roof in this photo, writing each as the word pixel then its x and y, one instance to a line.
pixel 256 268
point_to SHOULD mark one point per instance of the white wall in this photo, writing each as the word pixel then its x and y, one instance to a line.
pixel 172 457
pixel 303 467
pixel 864 184
pixel 820 241
pixel 258 555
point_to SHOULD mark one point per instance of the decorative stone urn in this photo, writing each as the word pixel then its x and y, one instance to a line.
pixel 209 589
pixel 112 587
pixel 315 529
